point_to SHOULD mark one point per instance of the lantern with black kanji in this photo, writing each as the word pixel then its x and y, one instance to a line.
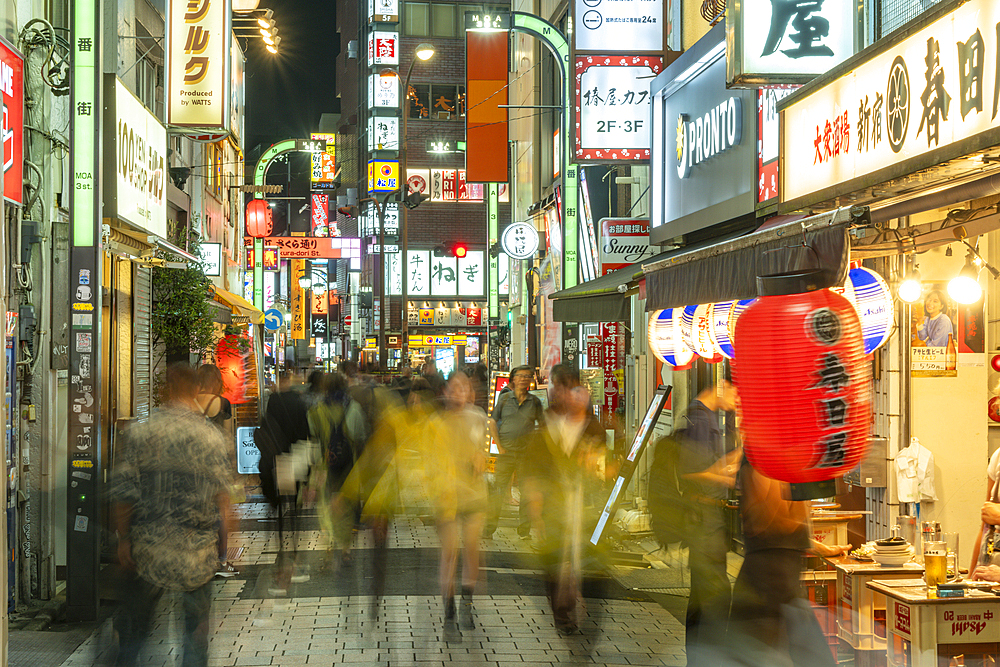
pixel 231 356
pixel 803 381
pixel 260 222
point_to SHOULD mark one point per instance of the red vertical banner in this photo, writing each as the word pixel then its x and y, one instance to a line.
pixel 486 60
pixel 613 349
pixel 320 215
pixel 449 178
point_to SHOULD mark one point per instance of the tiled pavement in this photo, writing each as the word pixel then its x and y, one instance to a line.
pixel 250 627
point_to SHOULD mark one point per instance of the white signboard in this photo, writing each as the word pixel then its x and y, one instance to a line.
pixel 383 48
pixel 519 240
pixel 613 106
pixel 503 273
pixel 383 133
pixel 237 106
pixel 369 219
pixel 393 272
pixel 383 92
pixel 471 274
pixel 383 11
pixel 925 93
pixel 788 42
pixel 211 258
pixel 140 145
pixel 444 276
pixel 198 68
pixel 619 25
pixel 418 273
pixel 247 454
pixel 624 241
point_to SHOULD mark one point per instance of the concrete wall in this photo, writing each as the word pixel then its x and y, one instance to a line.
pixel 948 415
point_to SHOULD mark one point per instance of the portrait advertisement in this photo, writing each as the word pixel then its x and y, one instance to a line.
pixel 942 332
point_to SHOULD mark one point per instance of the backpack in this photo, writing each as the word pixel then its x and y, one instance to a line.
pixel 330 429
pixel 669 507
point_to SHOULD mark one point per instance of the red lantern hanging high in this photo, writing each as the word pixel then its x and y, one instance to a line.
pixel 803 381
pixel 260 221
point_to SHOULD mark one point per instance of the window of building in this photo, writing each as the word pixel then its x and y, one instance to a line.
pixel 417 19
pixel 147 78
pixel 436 101
pixel 443 20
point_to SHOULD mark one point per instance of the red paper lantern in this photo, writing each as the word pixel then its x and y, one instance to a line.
pixel 231 359
pixel 803 381
pixel 260 222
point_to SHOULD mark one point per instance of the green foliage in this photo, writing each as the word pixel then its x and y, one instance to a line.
pixel 182 317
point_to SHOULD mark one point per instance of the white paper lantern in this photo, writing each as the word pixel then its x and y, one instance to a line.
pixel 734 314
pixel 665 341
pixel 871 297
pixel 696 330
pixel 722 341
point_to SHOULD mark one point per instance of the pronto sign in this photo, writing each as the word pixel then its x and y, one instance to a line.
pixel 198 68
pixel 613 106
pixel 928 97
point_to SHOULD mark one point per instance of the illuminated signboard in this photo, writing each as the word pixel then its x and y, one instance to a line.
pixel 383 48
pixel 272 258
pixel 921 99
pixel 613 106
pixel 383 11
pixel 324 168
pixel 383 92
pixel 136 150
pixel 198 72
pixel 309 247
pixel 320 214
pixel 434 341
pixel 383 176
pixel 383 133
pixel 211 258
pixel 12 84
pixel 767 140
pixel 787 42
pixel 622 25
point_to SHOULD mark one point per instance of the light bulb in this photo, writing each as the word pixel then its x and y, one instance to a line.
pixel 909 290
pixel 964 288
pixel 425 51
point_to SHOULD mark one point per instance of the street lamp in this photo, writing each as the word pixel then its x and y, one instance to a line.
pixel 423 52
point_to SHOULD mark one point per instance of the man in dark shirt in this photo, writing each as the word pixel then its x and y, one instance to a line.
pixel 707 473
pixel 517 414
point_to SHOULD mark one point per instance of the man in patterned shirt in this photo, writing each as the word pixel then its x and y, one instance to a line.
pixel 169 489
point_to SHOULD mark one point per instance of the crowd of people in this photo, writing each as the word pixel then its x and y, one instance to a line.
pixel 356 450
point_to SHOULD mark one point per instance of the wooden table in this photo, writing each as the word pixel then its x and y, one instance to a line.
pixel 927 632
pixel 862 611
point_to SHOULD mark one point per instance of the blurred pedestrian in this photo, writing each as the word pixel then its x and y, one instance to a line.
pixel 219 412
pixel 708 471
pixel 561 458
pixel 460 493
pixel 480 385
pixel 516 414
pixel 169 488
pixel 771 621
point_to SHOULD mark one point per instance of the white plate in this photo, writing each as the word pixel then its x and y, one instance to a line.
pixel 892 550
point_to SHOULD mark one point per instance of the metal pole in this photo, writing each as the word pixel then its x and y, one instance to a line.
pixel 404 229
pixel 380 207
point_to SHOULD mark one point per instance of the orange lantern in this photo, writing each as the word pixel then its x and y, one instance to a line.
pixel 232 361
pixel 260 222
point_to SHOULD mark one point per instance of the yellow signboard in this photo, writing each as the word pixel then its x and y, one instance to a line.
pixel 371 343
pixel 383 175
pixel 440 341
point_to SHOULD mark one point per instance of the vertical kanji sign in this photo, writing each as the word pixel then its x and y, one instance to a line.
pixel 83 529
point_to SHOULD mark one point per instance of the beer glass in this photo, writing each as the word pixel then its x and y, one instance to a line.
pixel 935 563
pixel 951 540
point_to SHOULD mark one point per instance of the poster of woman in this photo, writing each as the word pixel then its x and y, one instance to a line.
pixel 932 333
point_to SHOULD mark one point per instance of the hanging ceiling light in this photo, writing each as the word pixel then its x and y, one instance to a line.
pixel 305 282
pixel 271 48
pixel 965 288
pixel 909 289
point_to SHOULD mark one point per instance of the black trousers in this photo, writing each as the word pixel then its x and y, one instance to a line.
pixel 711 593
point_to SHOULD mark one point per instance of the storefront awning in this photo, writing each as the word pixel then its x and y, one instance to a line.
pixel 728 270
pixel 600 300
pixel 239 306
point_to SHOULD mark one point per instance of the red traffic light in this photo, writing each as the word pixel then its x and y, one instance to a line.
pixel 460 250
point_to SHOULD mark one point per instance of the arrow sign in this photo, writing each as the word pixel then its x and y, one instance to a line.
pixel 273 319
